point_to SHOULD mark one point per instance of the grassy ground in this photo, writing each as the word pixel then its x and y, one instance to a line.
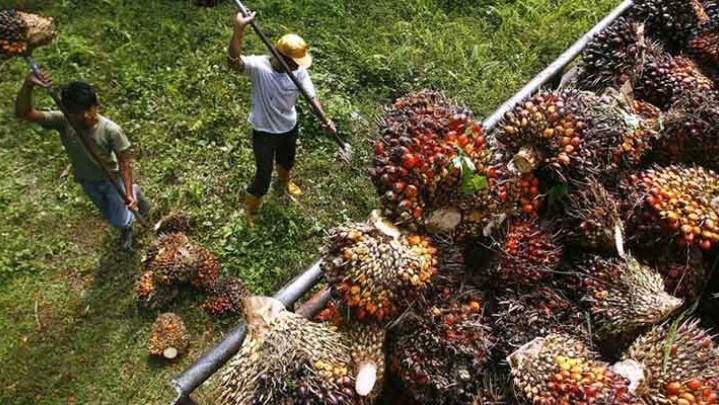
pixel 69 328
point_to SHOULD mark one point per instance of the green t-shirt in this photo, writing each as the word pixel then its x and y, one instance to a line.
pixel 107 138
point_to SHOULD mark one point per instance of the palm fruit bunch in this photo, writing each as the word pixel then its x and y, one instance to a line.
pixel 287 359
pixel 615 139
pixel 666 78
pixel 169 337
pixel 543 131
pixel 691 131
pixel 375 270
pixel 681 363
pixel 613 57
pixel 152 295
pixel 526 254
pixel 173 222
pixel 225 297
pixel 704 43
pixel 419 137
pixel 672 21
pixel 173 259
pixel 366 343
pixel 21 32
pixel 431 167
pixel 495 388
pixel 623 295
pixel 521 317
pixel 672 204
pixel 439 352
pixel 591 219
pixel 684 274
pixel 558 369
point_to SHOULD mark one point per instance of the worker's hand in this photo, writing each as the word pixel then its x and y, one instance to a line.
pixel 330 127
pixel 131 203
pixel 241 21
pixel 45 80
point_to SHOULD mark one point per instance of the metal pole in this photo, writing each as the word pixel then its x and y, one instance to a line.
pixel 216 357
pixel 555 68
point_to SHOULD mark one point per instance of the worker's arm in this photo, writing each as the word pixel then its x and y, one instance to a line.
pixel 329 126
pixel 123 160
pixel 235 49
pixel 23 103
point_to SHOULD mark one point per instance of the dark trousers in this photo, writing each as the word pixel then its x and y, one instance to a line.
pixel 269 148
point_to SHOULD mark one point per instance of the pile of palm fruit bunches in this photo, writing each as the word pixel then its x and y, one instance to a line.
pixel 567 256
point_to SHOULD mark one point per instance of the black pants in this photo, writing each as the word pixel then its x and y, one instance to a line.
pixel 269 148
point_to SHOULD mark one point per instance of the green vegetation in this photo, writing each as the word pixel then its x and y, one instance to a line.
pixel 69 327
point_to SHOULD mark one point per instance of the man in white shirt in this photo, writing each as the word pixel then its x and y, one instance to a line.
pixel 273 116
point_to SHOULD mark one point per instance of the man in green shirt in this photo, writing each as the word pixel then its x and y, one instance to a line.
pixel 108 141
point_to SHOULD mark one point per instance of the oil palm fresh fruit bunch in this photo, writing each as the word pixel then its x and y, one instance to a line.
pixel 439 352
pixel 21 32
pixel 673 204
pixel 691 131
pixel 173 259
pixel 672 21
pixel 558 369
pixel 683 271
pixel 496 387
pixel 526 254
pixel 376 270
pixel 521 317
pixel 225 297
pixel 169 337
pixel 681 365
pixel 667 78
pixel 151 295
pixel 623 296
pixel 591 219
pixel 286 359
pixel 433 170
pixel 173 222
pixel 613 57
pixel 704 42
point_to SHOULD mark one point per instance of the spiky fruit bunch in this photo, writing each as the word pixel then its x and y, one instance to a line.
pixel 558 369
pixel 439 353
pixel 173 222
pixel 613 57
pixel 682 366
pixel 591 219
pixel 683 279
pixel 623 295
pixel 496 388
pixel 225 297
pixel 672 203
pixel 287 359
pixel 151 295
pixel 420 137
pixel 20 32
pixel 519 318
pixel 13 33
pixel 527 254
pixel 367 351
pixel 169 337
pixel 670 20
pixel 691 131
pixel 377 273
pixel 175 260
pixel 543 131
pixel 704 43
pixel 667 78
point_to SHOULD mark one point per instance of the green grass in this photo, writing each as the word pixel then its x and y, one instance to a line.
pixel 69 328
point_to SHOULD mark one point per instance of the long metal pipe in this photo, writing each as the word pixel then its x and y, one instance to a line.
pixel 555 68
pixel 216 357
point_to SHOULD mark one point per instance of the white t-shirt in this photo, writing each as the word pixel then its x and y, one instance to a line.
pixel 274 95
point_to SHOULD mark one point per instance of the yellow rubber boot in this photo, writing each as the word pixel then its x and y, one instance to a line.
pixel 290 186
pixel 252 204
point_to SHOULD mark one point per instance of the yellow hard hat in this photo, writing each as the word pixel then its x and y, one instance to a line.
pixel 294 47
